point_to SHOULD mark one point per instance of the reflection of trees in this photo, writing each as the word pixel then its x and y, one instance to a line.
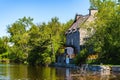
pixel 14 72
pixel 42 73
pixel 33 72
pixel 60 73
pixel 18 71
pixel 4 71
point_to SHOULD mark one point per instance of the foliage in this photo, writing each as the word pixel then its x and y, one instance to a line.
pixel 4 47
pixel 46 59
pixel 107 36
pixel 105 40
pixel 81 58
pixel 19 37
pixel 35 44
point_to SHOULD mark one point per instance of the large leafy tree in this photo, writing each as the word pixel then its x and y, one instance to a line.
pixel 107 36
pixel 45 40
pixel 19 37
pixel 38 42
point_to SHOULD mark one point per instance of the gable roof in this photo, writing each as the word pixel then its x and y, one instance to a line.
pixel 79 19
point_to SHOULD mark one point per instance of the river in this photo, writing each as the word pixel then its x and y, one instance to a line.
pixel 26 72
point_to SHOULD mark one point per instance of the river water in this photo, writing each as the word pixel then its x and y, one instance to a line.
pixel 25 72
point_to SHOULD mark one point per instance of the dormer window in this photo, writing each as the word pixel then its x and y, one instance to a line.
pixel 69 31
pixel 73 30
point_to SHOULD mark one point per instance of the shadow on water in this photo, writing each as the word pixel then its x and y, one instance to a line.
pixel 25 72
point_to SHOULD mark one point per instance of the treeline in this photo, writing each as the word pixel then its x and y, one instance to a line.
pixel 33 43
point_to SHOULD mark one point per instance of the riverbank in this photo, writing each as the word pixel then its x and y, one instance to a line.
pixel 65 65
pixel 91 67
pixel 111 68
pixel 5 60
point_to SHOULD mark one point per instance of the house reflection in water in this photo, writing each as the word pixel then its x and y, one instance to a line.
pixel 69 74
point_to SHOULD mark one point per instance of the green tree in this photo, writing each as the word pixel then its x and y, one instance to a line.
pixel 19 37
pixel 45 40
pixel 38 42
pixel 3 48
pixel 107 36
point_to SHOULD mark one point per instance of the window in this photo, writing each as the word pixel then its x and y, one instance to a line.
pixel 69 31
pixel 71 41
pixel 85 39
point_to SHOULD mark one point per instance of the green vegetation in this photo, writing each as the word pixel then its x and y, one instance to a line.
pixel 31 43
pixel 39 44
pixel 106 40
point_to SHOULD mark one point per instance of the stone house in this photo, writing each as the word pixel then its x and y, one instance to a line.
pixel 80 31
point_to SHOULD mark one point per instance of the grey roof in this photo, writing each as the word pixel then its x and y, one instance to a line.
pixel 76 24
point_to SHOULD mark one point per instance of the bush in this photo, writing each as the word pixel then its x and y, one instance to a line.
pixel 81 58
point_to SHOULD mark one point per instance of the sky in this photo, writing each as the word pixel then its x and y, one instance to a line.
pixel 40 11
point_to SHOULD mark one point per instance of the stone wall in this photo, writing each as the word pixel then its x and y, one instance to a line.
pixel 73 39
pixel 78 33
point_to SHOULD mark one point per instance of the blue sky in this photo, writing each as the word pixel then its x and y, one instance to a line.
pixel 39 10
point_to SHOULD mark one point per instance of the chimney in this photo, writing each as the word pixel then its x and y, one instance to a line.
pixel 92 11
